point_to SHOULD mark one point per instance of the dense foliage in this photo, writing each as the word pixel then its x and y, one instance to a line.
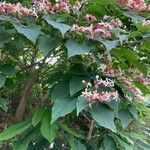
pixel 74 74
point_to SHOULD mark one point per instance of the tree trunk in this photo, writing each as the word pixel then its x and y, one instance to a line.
pixel 23 101
pixel 26 93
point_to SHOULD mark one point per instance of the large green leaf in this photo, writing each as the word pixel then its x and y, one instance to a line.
pixel 60 26
pixel 125 117
pixel 48 130
pixel 24 142
pixel 47 44
pixel 8 70
pixel 76 48
pixel 30 32
pixel 2 79
pixel 3 104
pixel 62 107
pixel 76 84
pixel 60 90
pixel 109 143
pixel 108 44
pixel 38 116
pixel 104 116
pixel 81 104
pixel 14 130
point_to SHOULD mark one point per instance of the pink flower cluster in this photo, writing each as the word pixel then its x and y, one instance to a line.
pixel 146 23
pixel 39 6
pixel 100 29
pixel 47 7
pixel 137 93
pixel 8 8
pixel 77 6
pixel 136 5
pixel 95 95
pixel 89 18
pixel 109 71
pixel 106 83
pixel 144 80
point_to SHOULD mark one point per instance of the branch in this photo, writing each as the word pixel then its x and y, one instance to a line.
pixel 90 131
pixel 41 102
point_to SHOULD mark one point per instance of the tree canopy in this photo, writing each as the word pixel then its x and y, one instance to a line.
pixel 74 74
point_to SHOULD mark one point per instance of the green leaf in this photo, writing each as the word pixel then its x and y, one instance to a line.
pixel 143 88
pixel 134 16
pixel 60 26
pixel 54 77
pixel 125 117
pixel 76 48
pixel 5 38
pixel 76 145
pixel 98 7
pixel 7 18
pixel 80 146
pixel 125 138
pixel 48 130
pixel 76 84
pixel 104 116
pixel 38 116
pixel 14 130
pixel 47 44
pixel 30 32
pixel 114 105
pixel 71 131
pixel 8 70
pixel 72 143
pixel 3 104
pixel 81 104
pixel 9 83
pixel 2 79
pixel 145 45
pixel 109 143
pixel 142 28
pixel 122 38
pixel 24 142
pixel 78 69
pixel 62 107
pixel 133 112
pixel 60 90
pixel 123 143
pixel 124 54
pixel 108 44
pixel 141 67
pixel 134 34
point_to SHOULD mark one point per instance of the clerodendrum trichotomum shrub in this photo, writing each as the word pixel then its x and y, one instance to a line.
pixel 74 75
